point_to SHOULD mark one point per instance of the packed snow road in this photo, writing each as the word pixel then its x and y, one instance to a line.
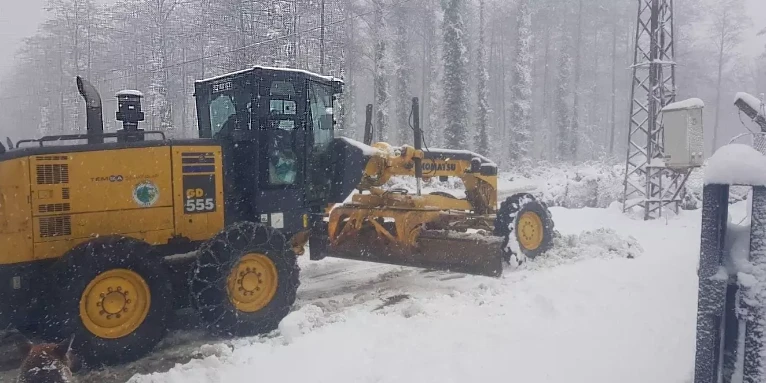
pixel 598 309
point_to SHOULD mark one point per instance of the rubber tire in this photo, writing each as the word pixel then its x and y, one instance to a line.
pixel 506 223
pixel 70 276
pixel 216 259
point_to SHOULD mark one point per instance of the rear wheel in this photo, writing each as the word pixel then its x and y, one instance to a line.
pixel 526 225
pixel 245 280
pixel 113 294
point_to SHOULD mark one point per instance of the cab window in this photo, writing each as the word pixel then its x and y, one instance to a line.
pixel 230 107
pixel 321 125
pixel 320 101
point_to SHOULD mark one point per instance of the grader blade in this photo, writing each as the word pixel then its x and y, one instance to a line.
pixel 455 252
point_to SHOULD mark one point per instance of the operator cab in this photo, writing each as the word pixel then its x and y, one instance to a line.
pixel 276 127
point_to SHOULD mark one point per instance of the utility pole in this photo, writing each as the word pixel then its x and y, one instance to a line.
pixel 321 40
pixel 648 183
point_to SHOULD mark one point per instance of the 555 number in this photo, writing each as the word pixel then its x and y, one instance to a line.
pixel 199 205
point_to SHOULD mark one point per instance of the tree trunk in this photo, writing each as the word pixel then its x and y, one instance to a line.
pixel 613 122
pixel 575 137
pixel 548 145
pixel 718 97
pixel 503 70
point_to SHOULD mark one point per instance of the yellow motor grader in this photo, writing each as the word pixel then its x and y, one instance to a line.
pixel 104 235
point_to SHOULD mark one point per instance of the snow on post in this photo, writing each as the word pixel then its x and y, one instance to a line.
pixel 731 314
pixel 748 99
pixel 736 164
pixel 752 107
pixel 692 103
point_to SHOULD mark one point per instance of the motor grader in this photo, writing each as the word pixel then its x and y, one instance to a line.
pixel 105 235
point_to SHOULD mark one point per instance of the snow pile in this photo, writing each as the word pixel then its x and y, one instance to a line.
pixel 590 184
pixel 736 164
pixel 301 321
pixel 595 244
pixel 219 350
pixel 198 370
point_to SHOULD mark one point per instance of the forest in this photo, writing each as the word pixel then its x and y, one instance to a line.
pixel 518 80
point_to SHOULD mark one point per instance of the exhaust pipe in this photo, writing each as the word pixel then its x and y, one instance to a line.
pixel 368 128
pixel 95 122
pixel 418 140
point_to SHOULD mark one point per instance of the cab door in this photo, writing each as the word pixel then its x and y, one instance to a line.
pixel 282 139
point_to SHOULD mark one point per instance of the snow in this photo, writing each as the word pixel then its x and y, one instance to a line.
pixel 614 301
pixel 367 150
pixel 485 160
pixel 589 184
pixel 692 103
pixel 749 99
pixel 736 164
pixel 129 92
pixel 657 163
pixel 737 241
pixel 655 61
pixel 225 75
pixel 301 71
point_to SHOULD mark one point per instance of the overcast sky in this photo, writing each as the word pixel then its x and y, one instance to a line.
pixel 19 19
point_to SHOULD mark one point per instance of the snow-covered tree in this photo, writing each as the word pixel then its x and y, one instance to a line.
pixel 482 109
pixel 455 76
pixel 138 44
pixel 432 104
pixel 728 21
pixel 380 71
pixel 347 118
pixel 563 107
pixel 521 90
pixel 403 75
pixel 577 135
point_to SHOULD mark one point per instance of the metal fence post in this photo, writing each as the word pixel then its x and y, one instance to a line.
pixel 752 293
pixel 712 288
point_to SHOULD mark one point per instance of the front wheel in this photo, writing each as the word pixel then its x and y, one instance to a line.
pixel 245 280
pixel 526 225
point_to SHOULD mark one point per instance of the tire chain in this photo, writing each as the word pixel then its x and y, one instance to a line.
pixel 248 230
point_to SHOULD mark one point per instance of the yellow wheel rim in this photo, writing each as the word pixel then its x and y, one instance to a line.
pixel 115 303
pixel 530 231
pixel 252 283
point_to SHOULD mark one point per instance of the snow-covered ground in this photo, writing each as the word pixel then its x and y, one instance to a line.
pixel 614 301
pixel 616 305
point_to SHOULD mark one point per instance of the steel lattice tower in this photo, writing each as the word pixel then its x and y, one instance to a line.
pixel 647 182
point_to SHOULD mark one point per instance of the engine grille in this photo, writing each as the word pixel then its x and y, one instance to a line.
pixel 52 174
pixel 54 208
pixel 55 226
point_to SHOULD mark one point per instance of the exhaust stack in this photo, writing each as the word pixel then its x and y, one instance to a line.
pixel 95 122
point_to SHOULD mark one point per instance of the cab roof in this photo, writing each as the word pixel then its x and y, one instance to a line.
pixel 275 69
